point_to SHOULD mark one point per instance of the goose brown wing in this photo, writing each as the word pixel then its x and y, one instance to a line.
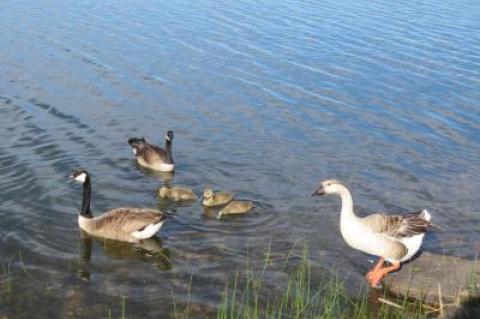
pixel 156 152
pixel 397 226
pixel 129 219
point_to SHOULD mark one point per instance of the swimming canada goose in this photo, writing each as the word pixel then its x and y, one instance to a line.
pixel 394 238
pixel 124 223
pixel 176 194
pixel 212 199
pixel 152 156
pixel 235 207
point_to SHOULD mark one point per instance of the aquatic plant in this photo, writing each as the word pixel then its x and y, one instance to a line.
pixel 304 297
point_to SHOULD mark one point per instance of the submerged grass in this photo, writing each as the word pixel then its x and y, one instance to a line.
pixel 6 275
pixel 304 297
pixel 6 278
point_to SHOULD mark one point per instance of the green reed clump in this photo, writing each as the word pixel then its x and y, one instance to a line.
pixel 6 277
pixel 305 298
pixel 7 281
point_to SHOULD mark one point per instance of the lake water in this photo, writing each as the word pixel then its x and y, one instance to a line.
pixel 266 98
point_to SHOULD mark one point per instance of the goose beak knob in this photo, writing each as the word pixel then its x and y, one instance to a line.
pixel 319 191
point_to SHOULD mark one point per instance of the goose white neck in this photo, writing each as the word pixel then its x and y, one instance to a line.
pixel 347 203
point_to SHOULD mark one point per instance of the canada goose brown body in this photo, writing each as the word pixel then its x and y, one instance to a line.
pixel 152 156
pixel 177 194
pixel 216 199
pixel 128 224
pixel 236 207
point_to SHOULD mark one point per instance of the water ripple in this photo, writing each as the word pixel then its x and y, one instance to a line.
pixel 265 99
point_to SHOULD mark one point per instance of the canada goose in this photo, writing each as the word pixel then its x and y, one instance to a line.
pixel 212 199
pixel 176 194
pixel 124 223
pixel 152 156
pixel 394 238
pixel 235 207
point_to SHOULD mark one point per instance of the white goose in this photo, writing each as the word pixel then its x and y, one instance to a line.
pixel 394 238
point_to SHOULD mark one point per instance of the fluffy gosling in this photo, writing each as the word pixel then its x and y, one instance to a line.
pixel 211 199
pixel 236 207
pixel 177 194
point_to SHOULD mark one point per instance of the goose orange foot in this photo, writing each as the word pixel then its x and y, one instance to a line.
pixel 376 268
pixel 379 274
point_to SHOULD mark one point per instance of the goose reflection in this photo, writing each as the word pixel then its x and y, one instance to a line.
pixel 165 177
pixel 149 250
pixel 85 256
pixel 210 212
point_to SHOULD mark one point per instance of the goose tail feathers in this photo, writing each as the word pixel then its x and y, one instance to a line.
pixel 425 215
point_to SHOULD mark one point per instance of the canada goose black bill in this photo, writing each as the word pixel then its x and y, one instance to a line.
pixel 128 224
pixel 152 156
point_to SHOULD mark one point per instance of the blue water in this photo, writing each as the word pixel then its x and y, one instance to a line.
pixel 266 99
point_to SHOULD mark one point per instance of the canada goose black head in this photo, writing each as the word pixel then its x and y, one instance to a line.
pixel 137 144
pixel 83 178
pixel 80 176
pixel 169 136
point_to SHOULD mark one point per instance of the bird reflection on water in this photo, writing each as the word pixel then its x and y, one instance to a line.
pixel 149 250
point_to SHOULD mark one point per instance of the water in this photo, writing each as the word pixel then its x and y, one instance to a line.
pixel 266 99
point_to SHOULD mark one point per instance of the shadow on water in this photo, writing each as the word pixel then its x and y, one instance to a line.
pixel 469 309
pixel 149 250
pixel 165 177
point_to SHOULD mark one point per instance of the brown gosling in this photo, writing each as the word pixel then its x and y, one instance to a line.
pixel 177 194
pixel 211 199
pixel 236 207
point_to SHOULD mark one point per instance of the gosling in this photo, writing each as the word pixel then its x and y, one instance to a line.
pixel 177 194
pixel 152 156
pixel 236 207
pixel 211 199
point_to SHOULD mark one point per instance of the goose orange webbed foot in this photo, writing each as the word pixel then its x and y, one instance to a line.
pixel 372 273
pixel 376 279
pixel 377 275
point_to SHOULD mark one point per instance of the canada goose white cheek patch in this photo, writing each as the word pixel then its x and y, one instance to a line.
pixel 134 150
pixel 81 178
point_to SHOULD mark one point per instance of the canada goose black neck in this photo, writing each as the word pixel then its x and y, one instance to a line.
pixel 87 191
pixel 168 150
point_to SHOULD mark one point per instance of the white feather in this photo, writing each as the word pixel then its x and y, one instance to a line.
pixel 413 245
pixel 165 167
pixel 148 231
pixel 81 177
pixel 82 221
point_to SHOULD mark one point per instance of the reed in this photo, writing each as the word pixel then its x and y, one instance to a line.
pixel 304 297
